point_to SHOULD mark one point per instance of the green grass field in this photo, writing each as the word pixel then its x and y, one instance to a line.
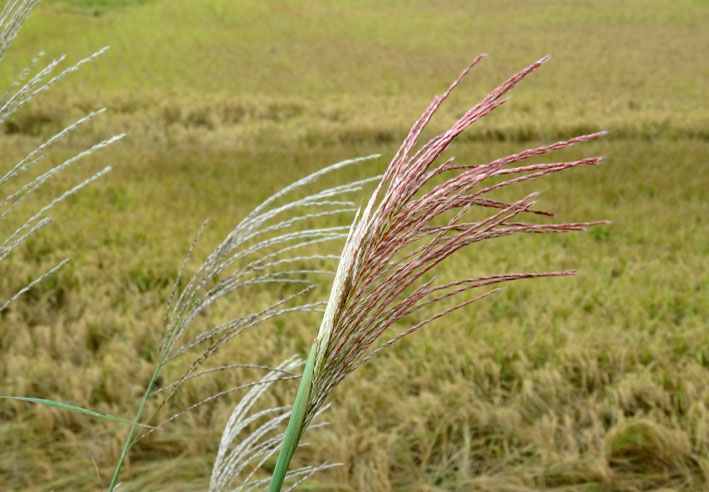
pixel 593 383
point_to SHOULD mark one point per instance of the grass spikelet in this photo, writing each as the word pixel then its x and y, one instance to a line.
pixel 14 13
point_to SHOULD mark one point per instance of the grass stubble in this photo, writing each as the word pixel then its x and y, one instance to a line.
pixel 612 393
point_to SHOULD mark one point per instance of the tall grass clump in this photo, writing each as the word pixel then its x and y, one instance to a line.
pixel 21 180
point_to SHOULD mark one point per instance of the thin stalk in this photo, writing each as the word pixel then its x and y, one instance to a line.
pixel 295 424
pixel 133 426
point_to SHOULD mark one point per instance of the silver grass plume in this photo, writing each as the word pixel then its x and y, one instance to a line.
pixel 242 454
pixel 17 183
pixel 265 248
pixel 261 250
pixel 407 229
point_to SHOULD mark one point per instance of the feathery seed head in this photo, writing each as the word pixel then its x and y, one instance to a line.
pixel 398 238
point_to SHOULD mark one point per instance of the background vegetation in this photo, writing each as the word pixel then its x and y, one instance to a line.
pixel 600 382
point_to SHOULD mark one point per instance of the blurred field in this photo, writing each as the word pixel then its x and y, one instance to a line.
pixel 594 383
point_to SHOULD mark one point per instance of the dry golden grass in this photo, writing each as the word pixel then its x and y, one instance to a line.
pixel 600 386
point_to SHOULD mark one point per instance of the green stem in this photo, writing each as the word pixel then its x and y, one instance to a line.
pixel 295 424
pixel 129 443
pixel 133 426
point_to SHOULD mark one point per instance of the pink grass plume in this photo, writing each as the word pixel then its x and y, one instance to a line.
pixel 410 225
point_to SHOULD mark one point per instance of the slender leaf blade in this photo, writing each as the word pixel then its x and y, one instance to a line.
pixel 66 406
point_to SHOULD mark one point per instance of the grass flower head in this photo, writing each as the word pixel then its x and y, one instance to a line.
pixel 409 226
